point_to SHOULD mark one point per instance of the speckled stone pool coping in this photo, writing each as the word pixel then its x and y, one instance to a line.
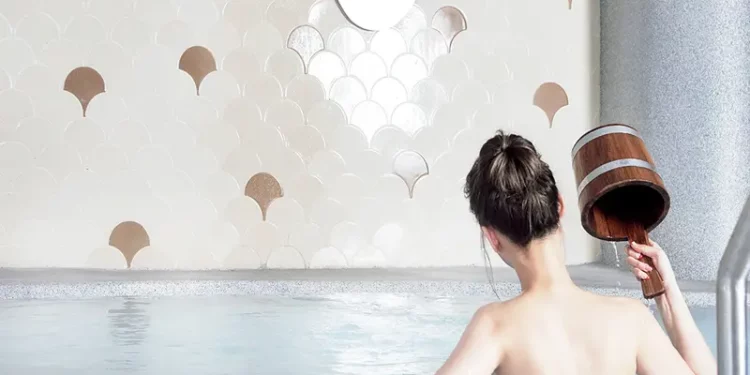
pixel 457 282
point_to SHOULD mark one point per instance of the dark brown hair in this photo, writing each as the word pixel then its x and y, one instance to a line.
pixel 511 190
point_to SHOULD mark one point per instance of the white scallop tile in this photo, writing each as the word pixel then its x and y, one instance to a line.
pixel 326 116
pixel 327 165
pixel 328 258
pixel 306 41
pixel 60 159
pixel 489 118
pixel 35 80
pixel 242 257
pixel 152 160
pixel 220 87
pixel 177 35
pixel 390 238
pixel 14 107
pixel 242 163
pixel 495 70
pixel 287 215
pixel 346 42
pixel 284 64
pixel 171 182
pixel 243 212
pixel 307 239
pixel 107 110
pixel 156 12
pixel 369 257
pixel 388 44
pixel 428 44
pixel 192 210
pixel 348 92
pixel 389 187
pixel 37 133
pixel 286 257
pixel 17 55
pixel 110 11
pixel 59 107
pixel 5 29
pixel 151 67
pixel 428 94
pixel 449 70
pixel 11 208
pixel 412 23
pixel 220 188
pixel 85 30
pixel 450 119
pixel 409 117
pixel 154 258
pixel 286 14
pixel 410 166
pixel 263 40
pixel 306 91
pixel 262 137
pixel 37 29
pixel 348 238
pixel 369 165
pixel 198 162
pixel 285 164
pixel 132 34
pixel 306 140
pixel 197 112
pixel 221 138
pixel 389 93
pixel 347 188
pixel 389 140
pixel 326 16
pixel 347 141
pixel 452 166
pixel 4 81
pixel 222 39
pixel 220 239
pixel 305 190
pixel 285 115
pixel 369 68
pixel 243 14
pixel 369 116
pixel 430 143
pixel 326 213
pixel 172 134
pixel 108 157
pixel 264 90
pixel 327 67
pixel 199 14
pixel 35 184
pixel 409 69
pixel 84 135
pixel 130 136
pixel 263 237
pixel 107 257
pixel 242 64
pixel 243 113
pixel 471 94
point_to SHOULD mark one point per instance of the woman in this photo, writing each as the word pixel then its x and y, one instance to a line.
pixel 554 327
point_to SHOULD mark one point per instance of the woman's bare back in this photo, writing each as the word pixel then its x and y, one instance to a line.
pixel 573 333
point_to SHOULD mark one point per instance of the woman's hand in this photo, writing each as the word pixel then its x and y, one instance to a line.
pixel 636 252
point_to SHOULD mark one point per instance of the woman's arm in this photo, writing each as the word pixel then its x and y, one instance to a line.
pixel 678 322
pixel 477 352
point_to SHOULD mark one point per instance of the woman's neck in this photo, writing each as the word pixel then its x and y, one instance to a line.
pixel 541 266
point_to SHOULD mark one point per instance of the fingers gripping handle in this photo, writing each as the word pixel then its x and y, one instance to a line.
pixel 654 285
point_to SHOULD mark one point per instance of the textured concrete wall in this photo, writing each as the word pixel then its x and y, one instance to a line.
pixel 680 72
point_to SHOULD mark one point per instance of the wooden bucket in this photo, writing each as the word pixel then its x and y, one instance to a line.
pixel 620 194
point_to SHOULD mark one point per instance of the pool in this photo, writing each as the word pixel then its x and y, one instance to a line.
pixel 351 322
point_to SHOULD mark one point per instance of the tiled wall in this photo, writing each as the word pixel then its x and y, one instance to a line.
pixel 255 133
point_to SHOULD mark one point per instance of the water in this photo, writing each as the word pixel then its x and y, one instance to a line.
pixel 343 334
pixel 617 259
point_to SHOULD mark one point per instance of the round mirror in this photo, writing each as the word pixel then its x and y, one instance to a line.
pixel 375 15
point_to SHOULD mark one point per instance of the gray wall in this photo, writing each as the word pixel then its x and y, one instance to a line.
pixel 680 72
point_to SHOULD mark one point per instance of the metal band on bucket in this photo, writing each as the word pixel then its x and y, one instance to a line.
pixel 602 131
pixel 612 165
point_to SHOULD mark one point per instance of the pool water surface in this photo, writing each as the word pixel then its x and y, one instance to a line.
pixel 337 334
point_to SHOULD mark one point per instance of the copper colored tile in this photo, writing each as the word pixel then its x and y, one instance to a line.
pixel 85 83
pixel 129 237
pixel 198 62
pixel 449 21
pixel 550 97
pixel 263 188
